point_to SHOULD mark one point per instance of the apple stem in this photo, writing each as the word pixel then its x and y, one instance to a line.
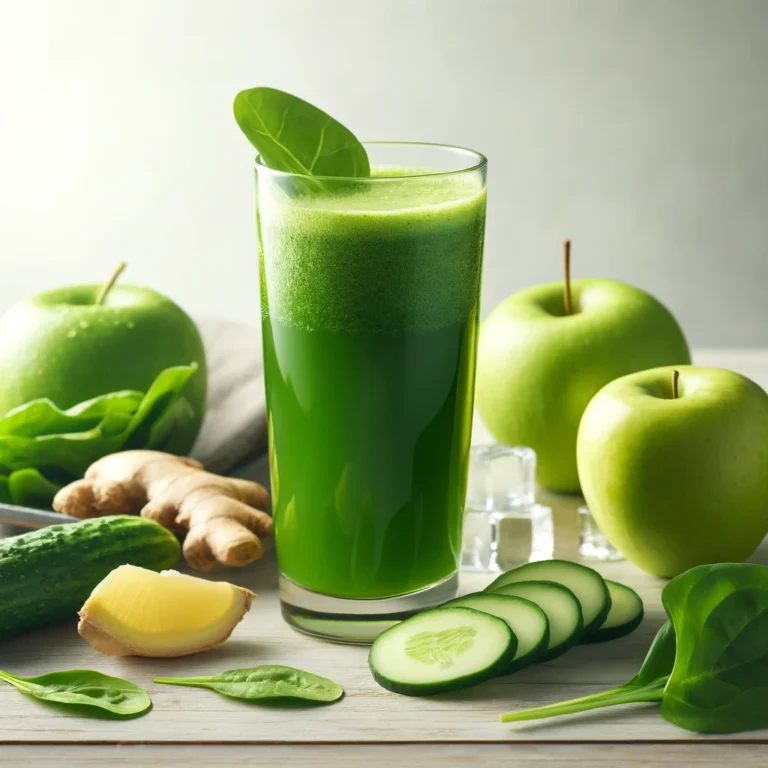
pixel 567 284
pixel 675 377
pixel 107 287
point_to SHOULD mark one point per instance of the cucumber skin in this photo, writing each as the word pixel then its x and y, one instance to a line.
pixel 446 686
pixel 614 633
pixel 47 575
pixel 595 624
pixel 537 654
pixel 574 639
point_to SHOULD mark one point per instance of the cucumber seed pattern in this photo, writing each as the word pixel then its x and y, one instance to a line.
pixel 442 647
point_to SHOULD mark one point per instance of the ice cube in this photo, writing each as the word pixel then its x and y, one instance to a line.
pixel 593 544
pixel 501 477
pixel 503 525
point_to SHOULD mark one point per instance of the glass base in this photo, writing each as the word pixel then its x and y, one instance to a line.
pixel 358 622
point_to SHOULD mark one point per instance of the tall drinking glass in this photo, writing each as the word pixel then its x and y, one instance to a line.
pixel 370 291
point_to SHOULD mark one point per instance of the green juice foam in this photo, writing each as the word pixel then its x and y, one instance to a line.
pixel 375 256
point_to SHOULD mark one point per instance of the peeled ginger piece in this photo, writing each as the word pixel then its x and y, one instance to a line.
pixel 136 612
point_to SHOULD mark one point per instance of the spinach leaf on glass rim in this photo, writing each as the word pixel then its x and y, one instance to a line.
pixel 294 136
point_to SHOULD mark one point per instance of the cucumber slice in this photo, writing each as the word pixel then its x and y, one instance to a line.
pixel 624 617
pixel 563 611
pixel 529 624
pixel 587 584
pixel 443 649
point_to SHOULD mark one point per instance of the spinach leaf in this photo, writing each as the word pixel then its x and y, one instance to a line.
pixel 83 687
pixel 264 683
pixel 29 487
pixel 720 680
pixel 709 667
pixel 42 417
pixel 167 432
pixel 659 660
pixel 42 446
pixel 292 135
pixel 161 395
pixel 647 685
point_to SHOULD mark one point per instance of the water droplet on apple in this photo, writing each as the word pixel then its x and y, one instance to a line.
pixel 83 324
pixel 71 334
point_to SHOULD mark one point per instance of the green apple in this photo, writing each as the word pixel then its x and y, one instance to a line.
pixel 676 474
pixel 538 366
pixel 75 343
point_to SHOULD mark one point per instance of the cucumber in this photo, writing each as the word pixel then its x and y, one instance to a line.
pixel 529 624
pixel 624 617
pixel 47 575
pixel 443 649
pixel 586 583
pixel 563 611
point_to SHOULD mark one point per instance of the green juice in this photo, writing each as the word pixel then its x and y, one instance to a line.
pixel 369 314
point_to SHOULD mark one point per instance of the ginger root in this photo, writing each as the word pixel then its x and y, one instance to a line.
pixel 136 612
pixel 221 516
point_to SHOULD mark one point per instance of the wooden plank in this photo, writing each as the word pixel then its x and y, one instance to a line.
pixel 385 756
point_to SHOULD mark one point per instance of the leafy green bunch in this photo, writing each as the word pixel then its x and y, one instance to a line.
pixel 43 447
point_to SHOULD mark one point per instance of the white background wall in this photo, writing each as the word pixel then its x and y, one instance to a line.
pixel 639 128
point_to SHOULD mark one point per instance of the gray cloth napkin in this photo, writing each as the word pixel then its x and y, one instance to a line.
pixel 233 439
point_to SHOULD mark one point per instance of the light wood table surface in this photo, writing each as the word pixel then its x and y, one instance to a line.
pixel 369 726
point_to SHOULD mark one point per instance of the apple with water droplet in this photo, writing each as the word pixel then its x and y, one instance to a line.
pixel 78 342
